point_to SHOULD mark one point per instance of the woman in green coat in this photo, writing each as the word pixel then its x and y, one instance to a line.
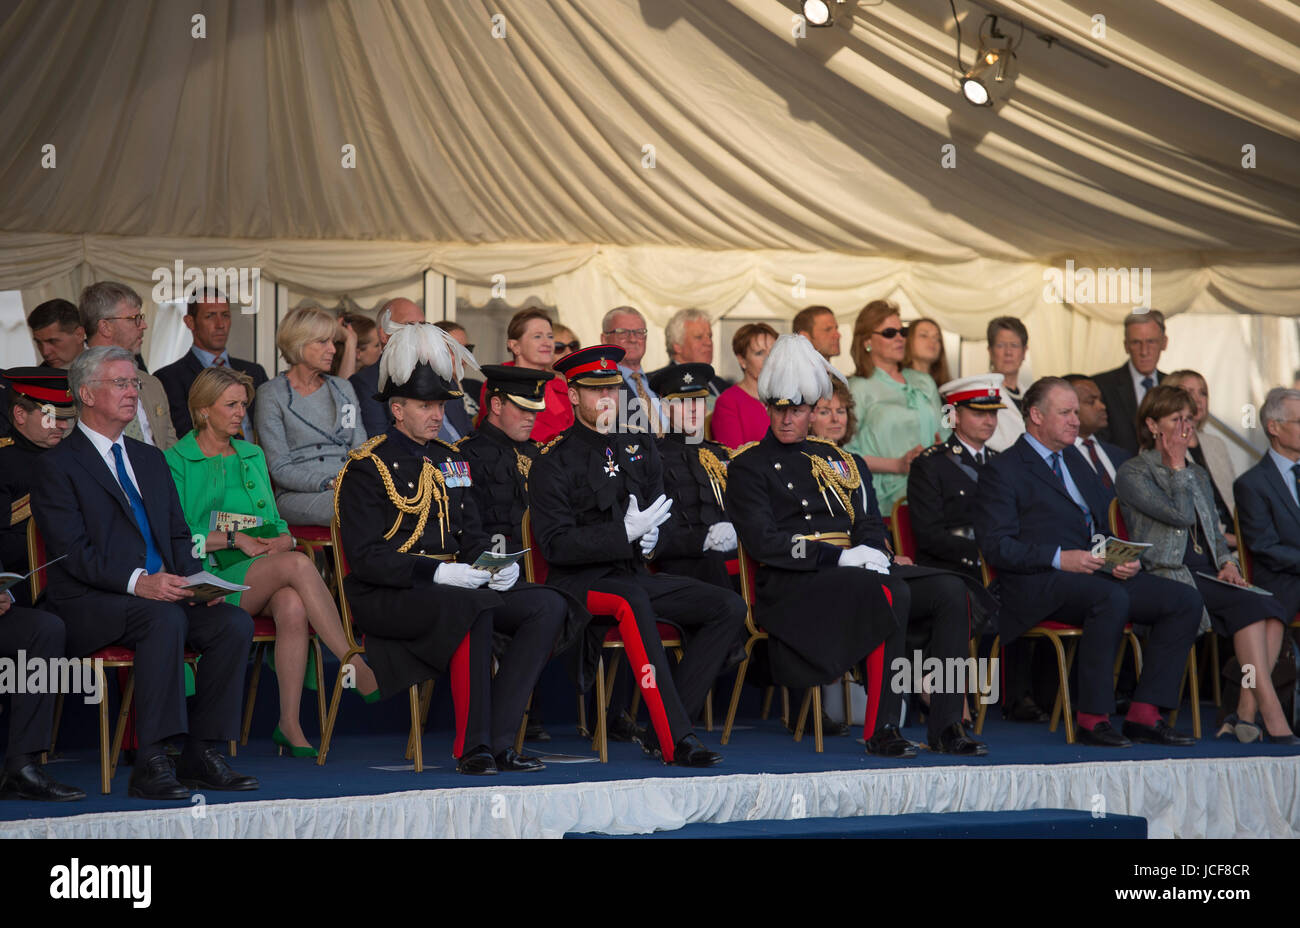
pixel 216 472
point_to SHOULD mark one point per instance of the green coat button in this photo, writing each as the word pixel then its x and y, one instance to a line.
pixel 261 504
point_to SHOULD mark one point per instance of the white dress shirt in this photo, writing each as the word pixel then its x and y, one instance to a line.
pixel 1138 390
pixel 104 445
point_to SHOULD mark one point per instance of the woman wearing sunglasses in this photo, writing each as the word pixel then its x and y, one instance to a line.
pixel 898 407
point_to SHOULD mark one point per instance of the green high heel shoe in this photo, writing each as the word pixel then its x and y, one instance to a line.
pixel 295 750
pixel 372 697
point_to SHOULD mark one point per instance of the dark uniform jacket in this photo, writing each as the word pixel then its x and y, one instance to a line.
pixel 392 576
pixel 695 477
pixel 941 488
pixel 18 470
pixel 501 468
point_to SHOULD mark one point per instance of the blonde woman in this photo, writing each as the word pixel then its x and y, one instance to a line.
pixel 307 419
pixel 216 472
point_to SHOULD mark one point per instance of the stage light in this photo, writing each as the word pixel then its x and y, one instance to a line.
pixel 817 12
pixel 974 86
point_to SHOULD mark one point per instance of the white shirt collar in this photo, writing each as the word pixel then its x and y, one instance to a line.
pixel 975 453
pixel 103 444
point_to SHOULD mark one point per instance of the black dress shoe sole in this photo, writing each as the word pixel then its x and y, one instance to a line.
pixel 22 797
pixel 976 749
pixel 520 768
pixel 229 788
pixel 137 793
pixel 897 753
pixel 1169 738
pixel 1091 742
pixel 711 761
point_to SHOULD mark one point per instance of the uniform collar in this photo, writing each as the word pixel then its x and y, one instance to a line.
pixel 490 431
pixel 403 444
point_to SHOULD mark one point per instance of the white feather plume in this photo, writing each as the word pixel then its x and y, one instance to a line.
pixel 424 341
pixel 795 371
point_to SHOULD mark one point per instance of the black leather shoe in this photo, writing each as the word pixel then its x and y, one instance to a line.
pixel 477 763
pixel 690 752
pixel 954 740
pixel 32 783
pixel 535 732
pixel 155 779
pixel 1026 710
pixel 1159 733
pixel 206 768
pixel 623 729
pixel 1104 736
pixel 510 760
pixel 830 727
pixel 889 742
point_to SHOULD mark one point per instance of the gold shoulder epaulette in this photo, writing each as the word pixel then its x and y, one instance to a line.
pixel 737 452
pixel 364 451
pixel 459 441
pixel 6 442
pixel 446 444
pixel 722 450
pixel 543 447
pixel 933 449
pixel 826 441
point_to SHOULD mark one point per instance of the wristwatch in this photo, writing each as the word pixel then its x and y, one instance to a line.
pixel 230 539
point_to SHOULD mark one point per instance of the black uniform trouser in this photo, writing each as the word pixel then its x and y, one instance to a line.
pixel 890 699
pixel 713 619
pixel 1101 605
pixel 490 718
pixel 159 633
pixel 940 601
pixel 40 635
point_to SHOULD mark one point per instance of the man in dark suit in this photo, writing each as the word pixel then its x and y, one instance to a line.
pixel 1040 515
pixel 1103 457
pixel 208 317
pixel 108 503
pixel 1123 389
pixel 689 338
pixel 1268 501
pixel 374 413
pixel 456 420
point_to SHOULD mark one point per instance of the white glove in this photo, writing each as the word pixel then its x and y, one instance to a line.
pixel 465 576
pixel 720 537
pixel 505 578
pixel 862 556
pixel 649 540
pixel 638 521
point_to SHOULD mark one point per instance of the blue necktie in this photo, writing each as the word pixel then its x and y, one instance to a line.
pixel 1147 384
pixel 152 559
pixel 1060 475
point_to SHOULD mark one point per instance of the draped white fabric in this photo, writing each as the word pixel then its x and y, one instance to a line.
pixel 1237 797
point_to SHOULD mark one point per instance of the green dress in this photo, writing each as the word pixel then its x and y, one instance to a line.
pixel 893 418
pixel 237 482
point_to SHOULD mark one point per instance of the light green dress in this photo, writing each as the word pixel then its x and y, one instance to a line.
pixel 893 418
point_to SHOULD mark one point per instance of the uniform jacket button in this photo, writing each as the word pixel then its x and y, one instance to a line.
pixel 808 517
pixel 789 486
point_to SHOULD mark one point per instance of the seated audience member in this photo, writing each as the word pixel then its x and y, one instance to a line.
pixel 925 351
pixel 689 339
pixel 833 417
pixel 1123 389
pixel 36 635
pixel 456 419
pixel 307 419
pixel 1101 456
pixel 823 613
pixel 1038 508
pixel 111 315
pixel 565 341
pixel 625 328
pixel 215 472
pixel 396 312
pixel 1209 450
pixel 58 333
pixel 411 531
pixel 941 488
pixel 599 510
pixel 368 347
pixel 1268 504
pixel 107 502
pixel 819 325
pixel 898 408
pixel 738 415
pixel 1008 340
pixel 530 341
pixel 41 410
pixel 1168 502
pixel 208 317
pixel 700 539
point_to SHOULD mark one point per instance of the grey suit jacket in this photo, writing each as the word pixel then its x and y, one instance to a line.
pixel 154 400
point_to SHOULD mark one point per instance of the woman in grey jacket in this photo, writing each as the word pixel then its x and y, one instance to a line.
pixel 1167 500
pixel 307 420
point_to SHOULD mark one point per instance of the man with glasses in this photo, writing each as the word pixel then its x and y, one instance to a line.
pixel 1268 501
pixel 107 504
pixel 1123 389
pixel 111 314
pixel 624 327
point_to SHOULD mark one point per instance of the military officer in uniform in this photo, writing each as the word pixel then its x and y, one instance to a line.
pixel 411 531
pixel 700 539
pixel 41 410
pixel 805 510
pixel 599 513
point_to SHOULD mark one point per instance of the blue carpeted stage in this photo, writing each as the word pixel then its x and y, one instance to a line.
pixel 1214 789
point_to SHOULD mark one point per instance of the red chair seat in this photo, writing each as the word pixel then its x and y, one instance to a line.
pixel 319 533
pixel 263 627
pixel 1062 626
pixel 666 632
pixel 114 653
